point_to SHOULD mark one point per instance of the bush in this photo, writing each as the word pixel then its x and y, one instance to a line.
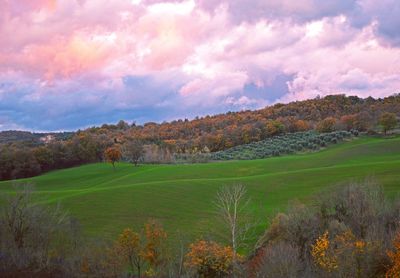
pixel 35 239
pixel 354 132
pixel 280 260
pixel 209 259
pixel 347 232
pixel 326 125
pixel 275 153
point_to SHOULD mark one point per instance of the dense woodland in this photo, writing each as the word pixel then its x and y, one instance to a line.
pixel 24 158
pixel 12 136
pixel 353 231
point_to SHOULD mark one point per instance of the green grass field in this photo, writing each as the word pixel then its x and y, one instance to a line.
pixel 181 196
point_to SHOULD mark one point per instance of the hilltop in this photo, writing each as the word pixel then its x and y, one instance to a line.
pixel 25 154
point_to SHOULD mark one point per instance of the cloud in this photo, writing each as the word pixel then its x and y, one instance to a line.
pixel 73 63
pixel 385 16
pixel 299 11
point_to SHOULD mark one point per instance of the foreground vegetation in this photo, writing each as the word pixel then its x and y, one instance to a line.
pixel 352 230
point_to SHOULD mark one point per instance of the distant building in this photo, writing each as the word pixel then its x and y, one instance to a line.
pixel 47 139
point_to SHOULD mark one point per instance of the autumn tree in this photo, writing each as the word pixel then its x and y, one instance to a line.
pixel 360 121
pixel 147 248
pixel 293 124
pixel 394 256
pixel 44 157
pixel 348 121
pixel 388 121
pixel 112 155
pixel 343 254
pixel 320 251
pixel 301 125
pixel 133 151
pixel 209 259
pixel 130 247
pixel 326 125
pixel 275 127
pixel 100 260
pixel 154 252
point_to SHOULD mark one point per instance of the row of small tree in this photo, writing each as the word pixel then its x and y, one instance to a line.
pixel 387 121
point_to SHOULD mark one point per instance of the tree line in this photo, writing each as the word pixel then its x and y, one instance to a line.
pixel 157 143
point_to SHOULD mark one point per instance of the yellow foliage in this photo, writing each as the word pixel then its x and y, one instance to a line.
pixel 155 242
pixel 320 253
pixel 210 259
pixel 128 243
pixel 394 256
pixel 85 268
pixel 328 254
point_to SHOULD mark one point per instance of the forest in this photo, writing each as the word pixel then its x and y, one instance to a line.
pixel 169 141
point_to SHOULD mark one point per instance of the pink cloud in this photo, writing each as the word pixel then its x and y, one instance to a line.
pixel 203 50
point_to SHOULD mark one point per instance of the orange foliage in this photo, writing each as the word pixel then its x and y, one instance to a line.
pixel 214 132
pixel 129 247
pixel 394 270
pixel 327 125
pixel 388 121
pixel 139 249
pixel 328 255
pixel 301 125
pixel 112 155
pixel 320 253
pixel 349 121
pixel 155 243
pixel 209 259
pixel 275 128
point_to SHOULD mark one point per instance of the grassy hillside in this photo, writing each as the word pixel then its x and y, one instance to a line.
pixel 181 196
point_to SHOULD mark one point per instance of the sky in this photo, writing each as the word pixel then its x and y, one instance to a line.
pixel 69 64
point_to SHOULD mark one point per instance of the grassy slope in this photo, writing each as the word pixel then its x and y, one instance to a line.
pixel 181 195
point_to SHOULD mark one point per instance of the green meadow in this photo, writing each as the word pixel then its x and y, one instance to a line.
pixel 182 196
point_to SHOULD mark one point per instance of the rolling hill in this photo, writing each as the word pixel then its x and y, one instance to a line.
pixel 181 196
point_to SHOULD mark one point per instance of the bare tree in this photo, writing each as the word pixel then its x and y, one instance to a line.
pixel 280 260
pixel 232 202
pixel 31 234
pixel 133 151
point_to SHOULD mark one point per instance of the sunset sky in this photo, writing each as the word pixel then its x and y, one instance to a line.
pixel 69 64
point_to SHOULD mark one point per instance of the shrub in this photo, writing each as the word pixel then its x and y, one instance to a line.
pixel 388 121
pixel 326 125
pixel 347 232
pixel 275 153
pixel 354 132
pixel 209 259
pixel 279 260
